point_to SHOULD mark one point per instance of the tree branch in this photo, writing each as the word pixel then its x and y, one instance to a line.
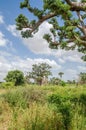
pixel 81 41
pixel 80 18
pixel 82 27
pixel 76 6
pixel 40 21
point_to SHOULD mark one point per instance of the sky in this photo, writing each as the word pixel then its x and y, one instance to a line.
pixel 19 53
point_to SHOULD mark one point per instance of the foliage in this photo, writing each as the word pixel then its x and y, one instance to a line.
pixel 7 85
pixel 15 76
pixel 63 83
pixel 55 81
pixel 60 74
pixel 68 23
pixel 82 77
pixel 67 105
pixel 40 71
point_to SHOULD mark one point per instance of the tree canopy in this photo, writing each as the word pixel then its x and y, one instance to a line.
pixel 15 76
pixel 39 72
pixel 60 74
pixel 68 19
pixel 82 77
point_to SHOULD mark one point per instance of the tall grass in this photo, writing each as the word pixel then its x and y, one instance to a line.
pixel 43 108
pixel 36 117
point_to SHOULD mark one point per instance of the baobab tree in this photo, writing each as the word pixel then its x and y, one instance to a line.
pixel 68 20
pixel 40 72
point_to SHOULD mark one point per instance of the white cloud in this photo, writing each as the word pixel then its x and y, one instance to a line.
pixel 82 68
pixel 61 61
pixel 50 62
pixel 72 56
pixel 3 40
pixel 71 74
pixel 1 19
pixel 12 29
pixel 37 44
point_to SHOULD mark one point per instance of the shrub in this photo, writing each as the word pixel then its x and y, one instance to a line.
pixel 7 85
pixel 83 99
pixel 64 107
pixel 62 83
pixel 15 76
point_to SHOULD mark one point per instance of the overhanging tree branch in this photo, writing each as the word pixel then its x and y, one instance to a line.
pixel 66 27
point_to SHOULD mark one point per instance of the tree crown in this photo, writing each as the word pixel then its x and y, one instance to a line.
pixel 15 76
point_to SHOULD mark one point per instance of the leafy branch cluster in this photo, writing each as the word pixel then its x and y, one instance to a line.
pixel 68 23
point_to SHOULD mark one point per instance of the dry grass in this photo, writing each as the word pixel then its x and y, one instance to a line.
pixel 2 91
pixel 5 115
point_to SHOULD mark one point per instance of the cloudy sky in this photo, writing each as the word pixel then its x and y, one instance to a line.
pixel 19 53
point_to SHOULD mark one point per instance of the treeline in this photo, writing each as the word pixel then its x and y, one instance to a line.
pixel 40 75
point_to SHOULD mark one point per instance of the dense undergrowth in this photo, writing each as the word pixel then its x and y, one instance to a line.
pixel 43 108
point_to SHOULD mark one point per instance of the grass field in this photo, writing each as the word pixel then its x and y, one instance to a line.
pixel 32 107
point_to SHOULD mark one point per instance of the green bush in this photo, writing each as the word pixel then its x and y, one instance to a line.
pixel 83 99
pixel 15 76
pixel 7 85
pixel 64 107
pixel 66 111
pixel 62 83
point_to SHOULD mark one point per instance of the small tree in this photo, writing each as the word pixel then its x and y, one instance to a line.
pixel 60 74
pixel 55 81
pixel 15 76
pixel 82 77
pixel 39 71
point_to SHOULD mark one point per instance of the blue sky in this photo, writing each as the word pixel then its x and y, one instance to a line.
pixel 19 53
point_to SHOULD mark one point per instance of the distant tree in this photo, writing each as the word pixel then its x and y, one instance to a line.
pixel 39 72
pixel 82 78
pixel 55 81
pixel 71 81
pixel 68 20
pixel 60 74
pixel 74 81
pixel 15 76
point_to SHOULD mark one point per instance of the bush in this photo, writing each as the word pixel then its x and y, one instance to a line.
pixel 7 85
pixel 64 107
pixel 15 76
pixel 83 99
pixel 62 83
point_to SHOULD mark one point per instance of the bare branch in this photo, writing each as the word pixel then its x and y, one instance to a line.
pixel 80 18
